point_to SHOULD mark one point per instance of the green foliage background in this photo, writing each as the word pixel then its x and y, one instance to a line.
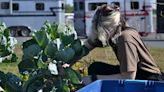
pixel 68 8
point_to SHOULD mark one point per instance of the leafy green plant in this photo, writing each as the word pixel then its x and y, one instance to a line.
pixel 7 45
pixel 44 56
pixel 10 82
pixel 42 62
pixel 7 55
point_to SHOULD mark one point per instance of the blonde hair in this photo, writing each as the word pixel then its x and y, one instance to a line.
pixel 105 23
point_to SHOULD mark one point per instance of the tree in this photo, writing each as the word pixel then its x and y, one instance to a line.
pixel 68 8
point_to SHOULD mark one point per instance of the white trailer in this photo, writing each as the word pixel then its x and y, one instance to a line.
pixel 25 16
pixel 138 13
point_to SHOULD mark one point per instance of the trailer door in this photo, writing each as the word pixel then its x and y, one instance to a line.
pixel 91 6
pixel 79 17
pixel 135 14
pixel 160 18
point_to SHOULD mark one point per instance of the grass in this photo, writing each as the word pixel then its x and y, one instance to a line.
pixel 12 67
pixel 98 54
pixel 158 54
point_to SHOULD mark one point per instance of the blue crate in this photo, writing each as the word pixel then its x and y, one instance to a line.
pixel 159 87
pixel 124 86
pixel 138 86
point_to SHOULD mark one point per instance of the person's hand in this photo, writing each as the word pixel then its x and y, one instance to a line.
pixel 65 65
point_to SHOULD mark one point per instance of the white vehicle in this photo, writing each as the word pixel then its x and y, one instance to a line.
pixel 69 18
pixel 138 13
pixel 25 16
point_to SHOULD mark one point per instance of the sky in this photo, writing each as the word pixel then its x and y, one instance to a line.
pixel 153 3
pixel 71 2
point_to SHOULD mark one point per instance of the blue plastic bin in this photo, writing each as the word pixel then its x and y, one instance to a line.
pixel 124 86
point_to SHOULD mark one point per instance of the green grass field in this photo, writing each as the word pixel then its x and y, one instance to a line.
pixel 98 54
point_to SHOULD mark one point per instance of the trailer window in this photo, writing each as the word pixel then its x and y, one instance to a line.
pixel 15 6
pixel 81 6
pixel 63 6
pixel 5 5
pixel 75 6
pixel 116 3
pixel 134 5
pixel 39 6
pixel 93 6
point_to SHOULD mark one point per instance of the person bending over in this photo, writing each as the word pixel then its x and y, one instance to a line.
pixel 109 28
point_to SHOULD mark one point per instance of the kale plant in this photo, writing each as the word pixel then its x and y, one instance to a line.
pixel 43 57
pixel 7 45
pixel 8 81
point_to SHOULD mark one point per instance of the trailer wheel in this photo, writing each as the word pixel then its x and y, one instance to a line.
pixel 25 32
pixel 12 32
